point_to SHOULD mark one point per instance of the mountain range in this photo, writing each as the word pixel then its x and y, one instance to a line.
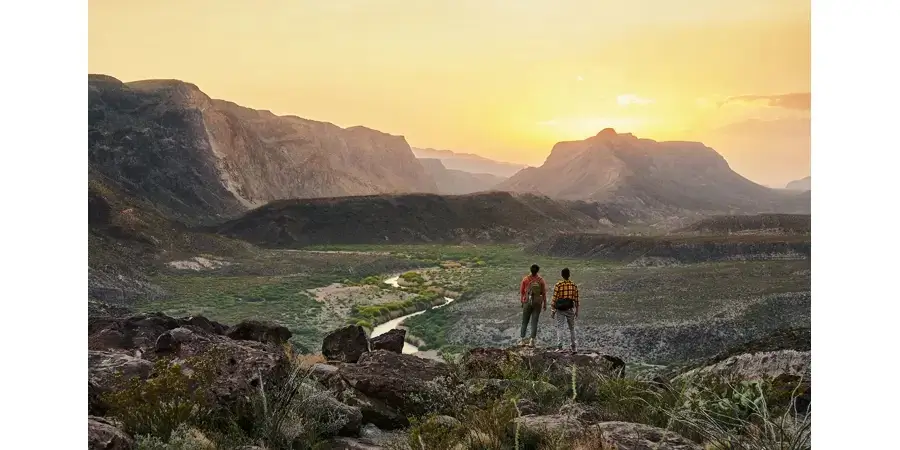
pixel 613 168
pixel 452 181
pixel 803 184
pixel 468 162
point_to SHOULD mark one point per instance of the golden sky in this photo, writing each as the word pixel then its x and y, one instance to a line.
pixel 502 79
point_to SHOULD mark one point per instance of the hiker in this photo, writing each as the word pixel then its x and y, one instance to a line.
pixel 564 307
pixel 534 298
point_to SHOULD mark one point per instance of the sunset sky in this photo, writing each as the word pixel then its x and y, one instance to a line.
pixel 505 80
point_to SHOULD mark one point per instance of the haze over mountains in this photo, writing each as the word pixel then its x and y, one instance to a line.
pixel 468 162
pixel 803 184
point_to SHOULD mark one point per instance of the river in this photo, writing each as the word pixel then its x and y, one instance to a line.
pixel 391 324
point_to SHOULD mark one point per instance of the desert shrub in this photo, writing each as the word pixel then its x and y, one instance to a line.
pixel 740 416
pixel 173 396
pixel 478 429
pixel 182 438
pixel 629 400
pixel 413 277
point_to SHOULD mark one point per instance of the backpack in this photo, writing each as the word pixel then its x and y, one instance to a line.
pixel 534 292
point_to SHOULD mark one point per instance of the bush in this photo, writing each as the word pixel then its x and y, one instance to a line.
pixel 171 397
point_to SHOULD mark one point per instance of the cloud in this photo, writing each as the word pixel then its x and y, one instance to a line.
pixel 631 99
pixel 797 101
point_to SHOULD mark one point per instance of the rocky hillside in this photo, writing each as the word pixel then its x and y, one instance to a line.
pixel 161 382
pixel 645 174
pixel 456 182
pixel 803 184
pixel 201 160
pixel 468 162
pixel 664 250
pixel 756 224
pixel 411 218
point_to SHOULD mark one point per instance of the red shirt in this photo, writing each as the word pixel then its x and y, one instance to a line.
pixel 527 281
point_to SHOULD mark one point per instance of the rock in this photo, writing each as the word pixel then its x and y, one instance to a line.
pixel 103 434
pixel 345 344
pixel 255 330
pixel 375 411
pixel 104 367
pixel 398 380
pixel 338 419
pixel 391 341
pixel 542 429
pixel 499 363
pixel 636 436
pixel 754 366
pixel 320 372
pixel 345 443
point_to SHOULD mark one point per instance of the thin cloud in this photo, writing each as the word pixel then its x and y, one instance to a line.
pixel 631 99
pixel 799 101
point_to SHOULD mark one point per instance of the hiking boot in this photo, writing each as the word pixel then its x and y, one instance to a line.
pixel 531 342
pixel 523 342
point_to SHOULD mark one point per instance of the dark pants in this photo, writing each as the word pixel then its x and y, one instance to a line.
pixel 530 313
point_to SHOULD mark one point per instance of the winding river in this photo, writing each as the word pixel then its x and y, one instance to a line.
pixel 391 324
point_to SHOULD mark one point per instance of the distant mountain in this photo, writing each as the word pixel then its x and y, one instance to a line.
pixel 643 174
pixel 201 160
pixel 468 162
pixel 411 218
pixel 451 181
pixel 803 184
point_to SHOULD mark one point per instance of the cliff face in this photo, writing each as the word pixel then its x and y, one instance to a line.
pixel 203 160
pixel 642 173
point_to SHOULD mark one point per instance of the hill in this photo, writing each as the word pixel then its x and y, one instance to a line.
pixel 671 177
pixel 201 160
pixel 759 223
pixel 454 182
pixel 803 184
pixel 666 250
pixel 468 162
pixel 410 218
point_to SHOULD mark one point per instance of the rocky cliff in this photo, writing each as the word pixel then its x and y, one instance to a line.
pixel 645 174
pixel 201 160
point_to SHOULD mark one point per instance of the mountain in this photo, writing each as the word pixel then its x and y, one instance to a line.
pixel 803 184
pixel 200 160
pixel 468 162
pixel 409 218
pixel 613 168
pixel 450 181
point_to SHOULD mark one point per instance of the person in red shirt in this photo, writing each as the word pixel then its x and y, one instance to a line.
pixel 533 296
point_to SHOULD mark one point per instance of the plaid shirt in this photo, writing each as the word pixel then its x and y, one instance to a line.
pixel 564 289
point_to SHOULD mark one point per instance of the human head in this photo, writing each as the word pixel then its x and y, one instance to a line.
pixel 534 269
pixel 565 273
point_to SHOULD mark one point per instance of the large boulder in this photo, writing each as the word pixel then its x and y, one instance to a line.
pixel 637 436
pixel 259 331
pixel 141 331
pixel 345 344
pixel 534 430
pixel 501 363
pixel 103 434
pixel 402 382
pixel 391 341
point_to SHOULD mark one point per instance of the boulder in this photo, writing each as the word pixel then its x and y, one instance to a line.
pixel 336 418
pixel 259 331
pixel 397 380
pixel 104 434
pixel 320 372
pixel 637 436
pixel 501 363
pixel 391 341
pixel 375 411
pixel 345 344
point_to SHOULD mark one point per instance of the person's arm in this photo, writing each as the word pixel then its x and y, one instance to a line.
pixel 544 294
pixel 577 300
pixel 555 297
pixel 522 290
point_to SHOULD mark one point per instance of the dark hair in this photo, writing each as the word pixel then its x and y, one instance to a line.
pixel 534 269
pixel 565 273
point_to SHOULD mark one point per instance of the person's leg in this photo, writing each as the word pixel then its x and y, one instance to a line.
pixel 535 314
pixel 570 319
pixel 526 315
pixel 560 323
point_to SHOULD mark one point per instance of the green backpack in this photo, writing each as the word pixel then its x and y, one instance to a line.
pixel 534 293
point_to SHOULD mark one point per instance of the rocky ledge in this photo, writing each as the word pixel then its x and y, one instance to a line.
pixel 361 393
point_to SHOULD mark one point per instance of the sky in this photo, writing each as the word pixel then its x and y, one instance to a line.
pixel 505 80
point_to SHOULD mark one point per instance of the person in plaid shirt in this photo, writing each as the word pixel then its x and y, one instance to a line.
pixel 564 307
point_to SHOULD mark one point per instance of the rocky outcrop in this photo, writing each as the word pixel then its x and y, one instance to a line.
pixel 391 341
pixel 104 434
pixel 456 182
pixel 254 330
pixel 636 436
pixel 534 429
pixel 345 344
pixel 496 362
pixel 200 160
